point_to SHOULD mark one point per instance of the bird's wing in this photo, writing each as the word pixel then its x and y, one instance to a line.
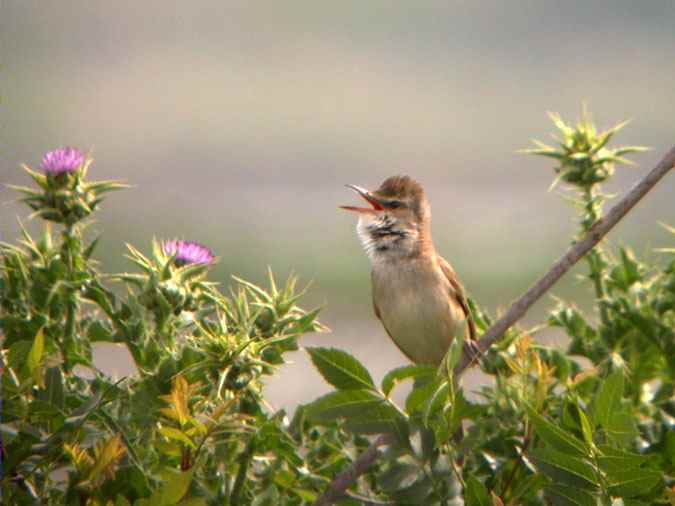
pixel 459 295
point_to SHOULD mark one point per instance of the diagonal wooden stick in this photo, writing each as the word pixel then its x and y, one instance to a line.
pixel 573 255
pixel 599 229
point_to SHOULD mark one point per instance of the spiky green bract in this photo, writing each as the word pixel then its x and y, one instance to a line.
pixel 583 156
pixel 65 196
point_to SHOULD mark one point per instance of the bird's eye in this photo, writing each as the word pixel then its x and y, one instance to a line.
pixel 394 204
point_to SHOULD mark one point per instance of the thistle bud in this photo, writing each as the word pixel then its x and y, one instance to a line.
pixel 63 195
pixel 583 157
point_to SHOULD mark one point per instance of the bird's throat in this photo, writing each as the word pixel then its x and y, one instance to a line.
pixel 391 243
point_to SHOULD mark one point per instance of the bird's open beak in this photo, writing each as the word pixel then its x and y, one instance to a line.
pixel 368 197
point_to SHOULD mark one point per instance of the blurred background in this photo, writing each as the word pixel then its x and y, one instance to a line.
pixel 239 122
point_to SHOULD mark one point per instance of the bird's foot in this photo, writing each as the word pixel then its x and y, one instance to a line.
pixel 474 351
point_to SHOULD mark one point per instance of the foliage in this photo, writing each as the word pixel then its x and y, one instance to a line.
pixel 547 430
pixel 192 427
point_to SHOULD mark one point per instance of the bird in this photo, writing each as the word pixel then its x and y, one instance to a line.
pixel 416 294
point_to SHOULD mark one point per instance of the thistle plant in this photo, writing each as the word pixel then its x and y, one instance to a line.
pixel 189 426
pixel 192 426
pixel 585 161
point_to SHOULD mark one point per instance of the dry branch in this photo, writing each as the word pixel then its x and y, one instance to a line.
pixel 599 229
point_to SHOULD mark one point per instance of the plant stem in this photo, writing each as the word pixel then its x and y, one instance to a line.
pixel 595 258
pixel 69 235
pixel 244 462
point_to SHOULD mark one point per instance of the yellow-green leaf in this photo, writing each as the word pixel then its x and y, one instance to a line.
pixel 35 358
pixel 176 485
pixel 177 435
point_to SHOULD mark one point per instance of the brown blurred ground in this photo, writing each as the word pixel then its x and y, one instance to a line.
pixel 239 122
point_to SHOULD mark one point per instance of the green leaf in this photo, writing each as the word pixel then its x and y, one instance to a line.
pixel 176 485
pixel 90 249
pixel 563 468
pixel 398 476
pixel 453 355
pixel 402 373
pixel 562 495
pixel 35 357
pixel 122 501
pixel 557 437
pixel 586 428
pixel 306 495
pixel 417 493
pixel 421 394
pixel 378 419
pixel 528 487
pixel 340 369
pixel 54 389
pixel 608 398
pixel 475 493
pixel 612 459
pixel 438 401
pixel 629 483
pixel 341 404
pixel 621 427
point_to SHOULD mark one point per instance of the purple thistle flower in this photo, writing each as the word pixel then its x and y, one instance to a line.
pixel 62 160
pixel 188 252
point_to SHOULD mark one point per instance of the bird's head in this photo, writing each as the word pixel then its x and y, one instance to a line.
pixel 398 220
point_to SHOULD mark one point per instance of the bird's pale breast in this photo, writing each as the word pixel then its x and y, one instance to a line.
pixel 415 305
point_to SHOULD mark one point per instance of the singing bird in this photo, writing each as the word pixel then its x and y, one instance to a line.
pixel 416 293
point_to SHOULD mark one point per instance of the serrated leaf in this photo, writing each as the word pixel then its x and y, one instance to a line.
pixel 176 485
pixel 629 483
pixel 562 495
pixel 107 453
pixel 564 468
pixel 421 394
pixel 557 437
pixel 612 459
pixel 475 493
pixel 340 369
pixel 178 401
pixel 377 419
pixel 395 376
pixel 622 427
pixel 341 404
pixel 177 435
